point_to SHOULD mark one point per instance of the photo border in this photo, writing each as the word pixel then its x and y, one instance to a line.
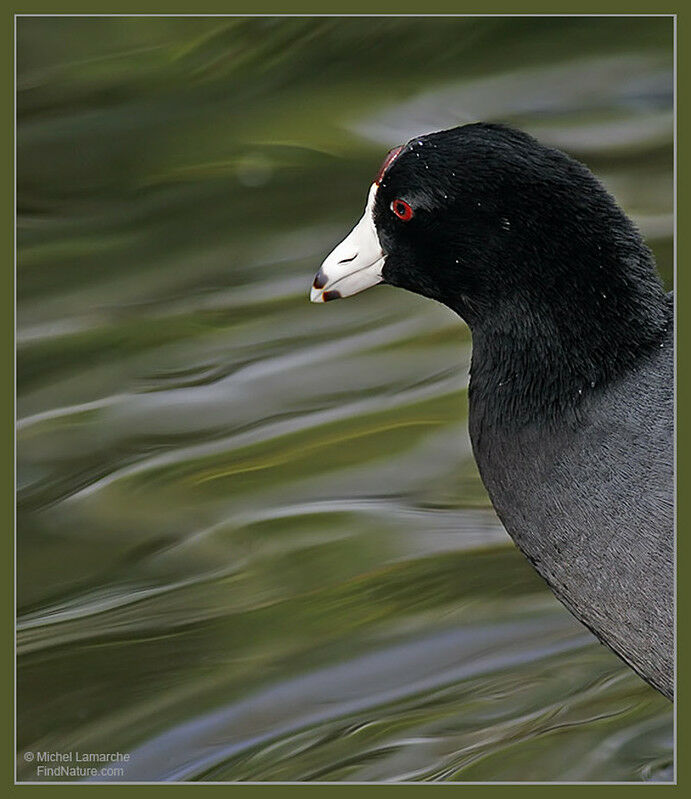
pixel 353 8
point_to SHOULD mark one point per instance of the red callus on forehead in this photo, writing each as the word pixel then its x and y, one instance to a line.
pixel 390 157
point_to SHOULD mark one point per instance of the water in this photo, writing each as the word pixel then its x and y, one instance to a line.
pixel 252 541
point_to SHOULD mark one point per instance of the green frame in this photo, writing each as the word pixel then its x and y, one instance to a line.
pixel 353 7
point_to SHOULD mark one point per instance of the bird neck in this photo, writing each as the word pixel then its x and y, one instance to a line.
pixel 535 359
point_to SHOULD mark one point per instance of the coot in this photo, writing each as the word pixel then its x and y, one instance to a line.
pixel 571 381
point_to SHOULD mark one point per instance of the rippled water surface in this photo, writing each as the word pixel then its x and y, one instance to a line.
pixel 252 541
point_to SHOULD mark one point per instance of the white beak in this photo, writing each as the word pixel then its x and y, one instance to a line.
pixel 355 264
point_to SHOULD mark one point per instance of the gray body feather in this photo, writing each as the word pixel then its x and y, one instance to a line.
pixel 591 505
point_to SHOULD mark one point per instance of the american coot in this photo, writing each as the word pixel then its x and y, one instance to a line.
pixel 571 381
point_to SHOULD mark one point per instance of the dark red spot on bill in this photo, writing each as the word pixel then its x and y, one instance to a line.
pixel 390 158
pixel 331 295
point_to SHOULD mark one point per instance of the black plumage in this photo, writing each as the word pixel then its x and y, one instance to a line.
pixel 571 390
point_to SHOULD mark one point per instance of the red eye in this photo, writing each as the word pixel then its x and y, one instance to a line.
pixel 402 210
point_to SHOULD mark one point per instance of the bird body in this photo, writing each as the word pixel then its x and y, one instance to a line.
pixel 590 503
pixel 571 393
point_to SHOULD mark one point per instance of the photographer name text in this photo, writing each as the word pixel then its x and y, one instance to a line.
pixel 77 764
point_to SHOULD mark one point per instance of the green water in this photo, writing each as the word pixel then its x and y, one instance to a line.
pixel 252 541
